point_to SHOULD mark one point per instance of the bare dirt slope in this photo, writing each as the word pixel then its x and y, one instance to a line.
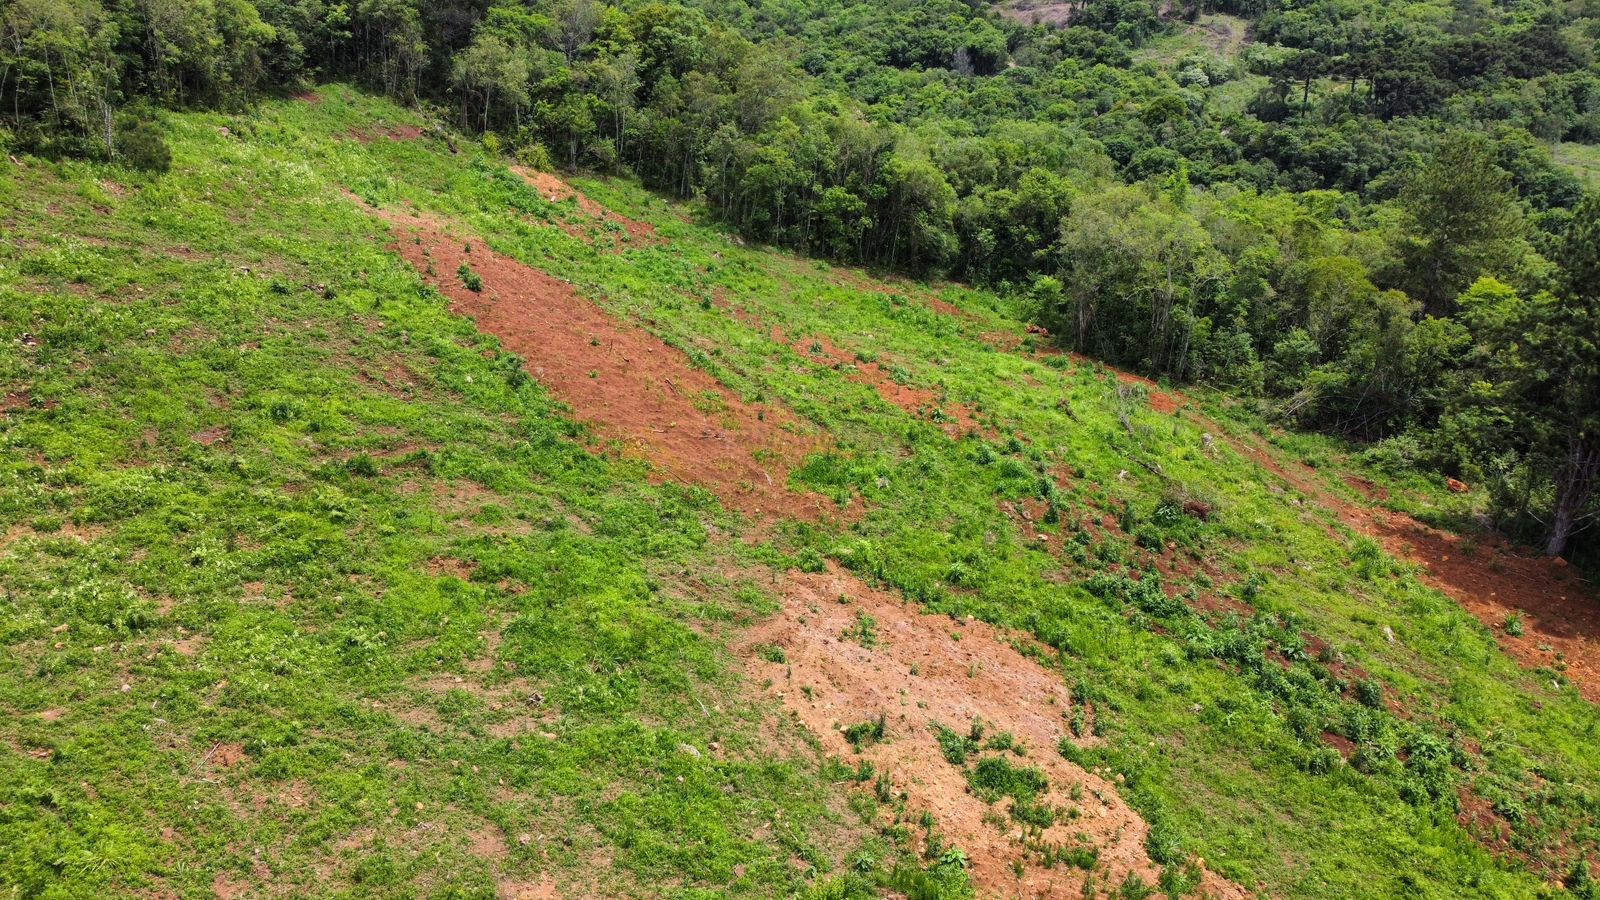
pixel 921 671
pixel 636 389
pixel 628 384
pixel 1490 578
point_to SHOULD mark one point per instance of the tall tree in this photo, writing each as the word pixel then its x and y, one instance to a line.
pixel 1465 221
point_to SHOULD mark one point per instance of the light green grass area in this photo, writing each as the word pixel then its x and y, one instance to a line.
pixel 1218 36
pixel 1582 159
pixel 287 588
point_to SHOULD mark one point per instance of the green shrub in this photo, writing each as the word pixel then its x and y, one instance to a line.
pixel 995 777
pixel 865 734
pixel 141 146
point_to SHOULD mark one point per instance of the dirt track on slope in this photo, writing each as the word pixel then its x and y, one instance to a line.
pixel 1489 577
pixel 626 383
pixel 555 190
pixel 635 389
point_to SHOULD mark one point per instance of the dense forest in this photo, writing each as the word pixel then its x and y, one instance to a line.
pixel 1350 215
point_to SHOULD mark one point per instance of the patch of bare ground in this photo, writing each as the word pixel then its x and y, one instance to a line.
pixel 1054 13
pixel 83 534
pixel 544 888
pixel 923 671
pixel 1488 577
pixel 392 132
pixel 628 384
pixel 636 389
pixel 959 418
pixel 555 190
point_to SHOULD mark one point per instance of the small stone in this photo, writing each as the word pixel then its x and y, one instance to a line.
pixel 689 749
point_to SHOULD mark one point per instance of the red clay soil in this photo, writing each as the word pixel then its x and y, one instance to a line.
pixel 555 190
pixel 919 674
pixel 1492 579
pixel 960 418
pixel 1160 400
pixel 636 389
pixel 392 132
pixel 628 384
pixel 1487 576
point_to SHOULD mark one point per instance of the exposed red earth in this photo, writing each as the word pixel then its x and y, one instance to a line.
pixel 630 386
pixel 633 388
pixel 1489 577
pixel 925 670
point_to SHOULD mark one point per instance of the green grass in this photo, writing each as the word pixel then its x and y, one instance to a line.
pixel 313 603
pixel 1582 159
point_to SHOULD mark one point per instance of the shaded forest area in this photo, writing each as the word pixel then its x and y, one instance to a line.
pixel 1353 219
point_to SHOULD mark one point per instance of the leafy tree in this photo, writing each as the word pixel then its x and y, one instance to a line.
pixel 1465 221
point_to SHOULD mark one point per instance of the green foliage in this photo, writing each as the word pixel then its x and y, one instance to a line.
pixel 865 734
pixel 310 587
pixel 993 777
pixel 140 145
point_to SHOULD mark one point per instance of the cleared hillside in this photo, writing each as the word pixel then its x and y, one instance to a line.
pixel 382 519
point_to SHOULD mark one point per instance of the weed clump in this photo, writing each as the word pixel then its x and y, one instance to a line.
pixel 995 777
pixel 865 734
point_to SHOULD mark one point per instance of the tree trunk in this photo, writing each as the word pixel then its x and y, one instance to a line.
pixel 1574 485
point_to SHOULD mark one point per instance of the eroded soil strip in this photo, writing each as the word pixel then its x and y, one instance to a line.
pixel 555 190
pixel 636 389
pixel 1488 577
pixel 625 382
pixel 921 671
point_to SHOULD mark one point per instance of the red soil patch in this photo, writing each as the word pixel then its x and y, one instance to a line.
pixel 555 190
pixel 960 419
pixel 310 97
pixel 441 566
pixel 918 675
pixel 628 384
pixel 1160 400
pixel 636 389
pixel 1366 487
pixel 543 889
pixel 1491 580
pixel 392 132
pixel 226 755
pixel 210 435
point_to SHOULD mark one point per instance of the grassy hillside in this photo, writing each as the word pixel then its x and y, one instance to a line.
pixel 313 586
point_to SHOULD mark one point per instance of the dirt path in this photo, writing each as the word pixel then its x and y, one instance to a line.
pixel 555 190
pixel 922 671
pixel 958 419
pixel 635 389
pixel 624 381
pixel 1488 577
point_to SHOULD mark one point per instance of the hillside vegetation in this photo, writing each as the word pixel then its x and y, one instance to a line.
pixel 383 516
pixel 1366 218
